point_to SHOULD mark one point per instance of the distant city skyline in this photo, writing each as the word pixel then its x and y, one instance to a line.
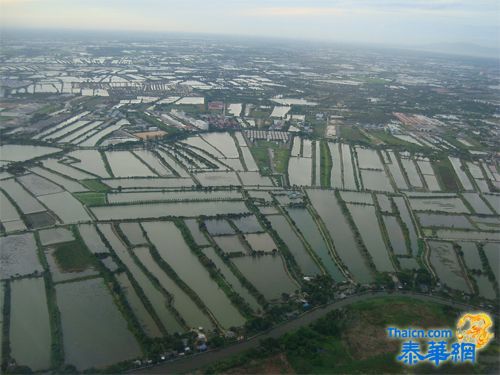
pixel 396 22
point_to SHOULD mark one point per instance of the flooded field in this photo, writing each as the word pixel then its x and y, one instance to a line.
pixel 248 224
pixel 178 255
pixel 68 184
pixel 19 256
pixel 396 172
pixel 125 164
pixel 396 236
pixel 95 334
pixel 37 185
pixel 268 274
pixel 157 298
pixel 92 239
pixel 30 338
pixel 326 205
pixel 261 242
pixel 187 209
pixel 24 200
pixel 493 256
pixel 66 207
pixel 24 152
pixel 462 176
pixel 445 262
pixel 294 244
pixel 366 220
pixel 9 217
pixel 233 281
pixel 478 204
pixel 186 307
pixel 149 183
pixel 405 216
pixel 133 233
pixel 336 172
pixel 230 244
pixel 218 227
pixel 90 161
pixel 197 234
pixel 448 221
pixel 305 223
pixel 145 196
pixel 376 180
pixel 55 235
pixel 450 205
pixel 145 319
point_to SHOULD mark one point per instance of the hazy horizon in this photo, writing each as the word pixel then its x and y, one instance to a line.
pixel 412 23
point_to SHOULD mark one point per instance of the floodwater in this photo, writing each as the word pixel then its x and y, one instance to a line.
pixel 445 262
pixel 186 264
pixel 267 273
pixel 312 235
pixel 188 310
pixel 396 236
pixel 366 220
pixel 326 205
pixel 30 337
pixel 95 333
pixel 157 299
pixel 294 244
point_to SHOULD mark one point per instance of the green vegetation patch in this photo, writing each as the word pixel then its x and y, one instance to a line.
pixel 261 154
pixel 352 340
pixel 351 133
pixel 94 185
pixel 91 198
pixel 446 175
pixel 73 257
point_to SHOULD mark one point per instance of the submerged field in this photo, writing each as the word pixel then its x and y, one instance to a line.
pixel 226 233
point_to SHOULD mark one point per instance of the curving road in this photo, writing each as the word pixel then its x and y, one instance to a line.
pixel 192 362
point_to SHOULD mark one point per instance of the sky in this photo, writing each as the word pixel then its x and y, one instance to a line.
pixel 392 22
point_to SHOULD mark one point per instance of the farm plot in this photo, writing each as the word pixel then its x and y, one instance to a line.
pixel 19 256
pixel 100 134
pixel 365 219
pixel 396 172
pixel 148 183
pixel 231 279
pixel 79 134
pixel 447 221
pixel 90 161
pixel 396 236
pixel 348 168
pixel 473 262
pixel 178 255
pixel 261 242
pixel 450 205
pixel 254 179
pixel 9 217
pixel 158 210
pixel 133 233
pixel 37 185
pixel 326 205
pixel 189 311
pixel 151 196
pixel 217 178
pixel 445 262
pixel 336 172
pixel 95 333
pixel 66 170
pixel 428 174
pixel 150 159
pixel 157 298
pixel 477 203
pixel 462 176
pixel 30 338
pixel 306 225
pixel 197 234
pixel 294 244
pixel 230 244
pixel 407 221
pixel 55 235
pixel 248 224
pixel 25 201
pixel 125 164
pixel 66 207
pixel 300 171
pixel 493 256
pixel 412 173
pixel 147 323
pixel 66 183
pixel 268 274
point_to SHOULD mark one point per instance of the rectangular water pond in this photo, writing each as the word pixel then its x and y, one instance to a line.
pixel 95 333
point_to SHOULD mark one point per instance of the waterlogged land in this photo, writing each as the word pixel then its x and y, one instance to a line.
pixel 128 231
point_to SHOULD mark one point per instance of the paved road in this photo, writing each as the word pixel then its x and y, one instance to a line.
pixel 193 362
